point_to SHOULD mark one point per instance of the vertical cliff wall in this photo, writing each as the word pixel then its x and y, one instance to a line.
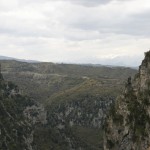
pixel 127 126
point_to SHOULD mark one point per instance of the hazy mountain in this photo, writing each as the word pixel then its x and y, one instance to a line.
pixel 127 61
pixel 122 61
pixel 21 60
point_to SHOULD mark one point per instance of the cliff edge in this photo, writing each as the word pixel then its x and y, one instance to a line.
pixel 127 126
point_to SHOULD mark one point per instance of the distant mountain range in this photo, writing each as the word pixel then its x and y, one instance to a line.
pixel 114 62
pixel 21 60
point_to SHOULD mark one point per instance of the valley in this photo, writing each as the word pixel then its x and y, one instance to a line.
pixel 75 100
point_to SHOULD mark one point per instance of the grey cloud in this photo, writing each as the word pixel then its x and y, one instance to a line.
pixel 86 3
pixel 137 24
pixel 88 22
pixel 24 32
pixel 133 24
pixel 90 3
pixel 89 28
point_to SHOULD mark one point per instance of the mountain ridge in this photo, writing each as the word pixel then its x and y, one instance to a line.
pixel 17 59
pixel 17 121
pixel 83 64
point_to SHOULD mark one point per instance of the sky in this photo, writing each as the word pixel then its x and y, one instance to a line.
pixel 110 32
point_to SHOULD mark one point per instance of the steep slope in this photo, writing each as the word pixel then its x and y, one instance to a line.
pixel 18 118
pixel 79 113
pixel 128 124
pixel 25 124
pixel 76 99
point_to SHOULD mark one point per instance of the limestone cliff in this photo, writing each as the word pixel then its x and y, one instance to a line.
pixel 18 117
pixel 127 126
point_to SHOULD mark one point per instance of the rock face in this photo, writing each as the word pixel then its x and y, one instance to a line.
pixel 18 117
pixel 26 125
pixel 127 126
pixel 81 112
pixel 76 103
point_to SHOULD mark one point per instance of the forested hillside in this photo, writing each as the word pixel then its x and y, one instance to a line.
pixel 73 101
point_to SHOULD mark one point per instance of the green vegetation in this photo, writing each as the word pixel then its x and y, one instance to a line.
pixel 138 117
pixel 92 137
pixel 110 144
pixel 68 69
pixel 127 125
pixel 43 80
pixel 147 59
pixel 87 138
pixel 13 125
pixel 147 54
pixel 117 118
pixel 70 93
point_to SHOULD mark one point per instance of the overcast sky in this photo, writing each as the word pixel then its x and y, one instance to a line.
pixel 76 31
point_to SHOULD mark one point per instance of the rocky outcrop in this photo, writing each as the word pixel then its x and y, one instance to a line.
pixel 25 125
pixel 17 121
pixel 127 126
pixel 76 109
pixel 81 112
pixel 89 112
